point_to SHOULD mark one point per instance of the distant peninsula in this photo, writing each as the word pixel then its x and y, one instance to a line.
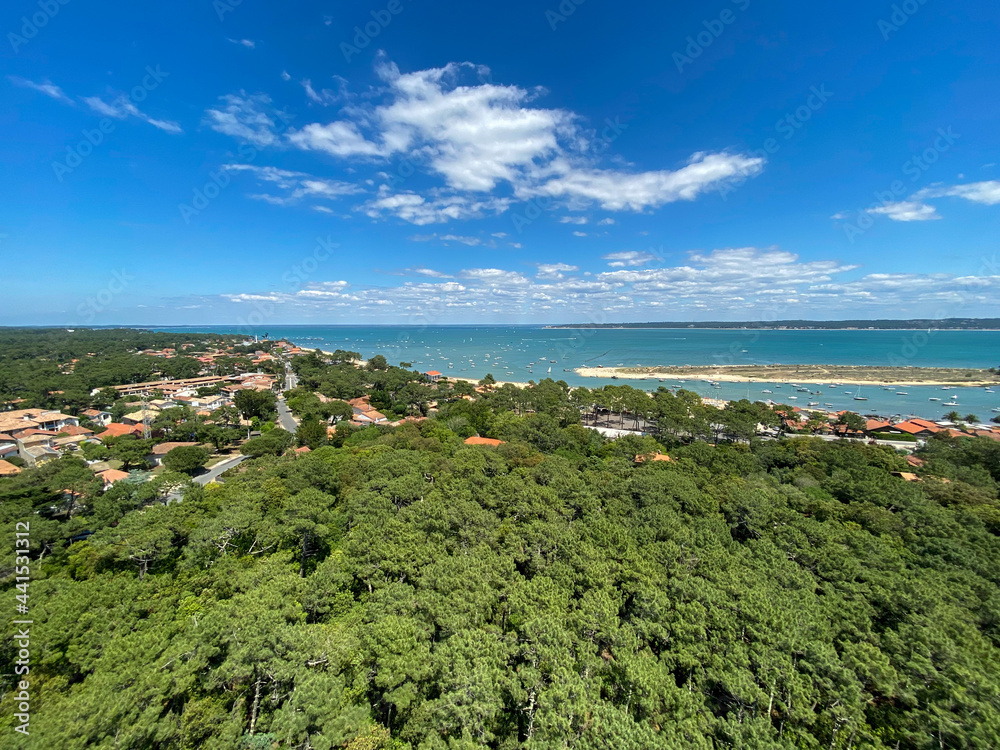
pixel 944 324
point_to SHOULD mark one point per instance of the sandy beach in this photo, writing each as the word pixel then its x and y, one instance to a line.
pixel 812 374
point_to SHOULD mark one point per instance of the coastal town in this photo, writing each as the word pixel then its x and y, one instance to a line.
pixel 202 424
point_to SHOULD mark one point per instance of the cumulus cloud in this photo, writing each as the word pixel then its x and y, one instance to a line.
pixel 629 258
pixel 906 211
pixel 480 137
pixel 987 193
pixel 416 209
pixel 733 283
pixel 554 270
pixel 248 43
pixel 617 191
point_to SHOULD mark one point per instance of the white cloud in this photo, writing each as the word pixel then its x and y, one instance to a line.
pixel 906 211
pixel 987 193
pixel 248 43
pixel 326 97
pixel 618 191
pixel 629 258
pixel 418 210
pixel 573 219
pixel 482 136
pixel 294 186
pixel 121 108
pixel 605 222
pixel 579 234
pixel 450 238
pixel 555 270
pixel 247 117
pixel 46 87
pixel 336 138
pixel 285 76
pixel 734 284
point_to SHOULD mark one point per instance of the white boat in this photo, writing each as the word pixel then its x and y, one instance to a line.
pixel 767 391
pixel 933 399
pixel 902 393
pixel 950 403
pixel 859 397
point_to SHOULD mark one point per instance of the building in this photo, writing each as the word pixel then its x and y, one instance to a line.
pixel 111 476
pixel 116 429
pixel 97 416
pixel 917 428
pixel 8 469
pixel 161 450
pixel 45 419
pixel 434 376
pixel 139 417
pixel 76 431
pixel 8 446
pixel 484 441
pixel 652 457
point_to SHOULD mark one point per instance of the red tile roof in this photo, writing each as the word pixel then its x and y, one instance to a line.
pixel 112 475
pixel 653 457
pixel 483 441
pixel 116 429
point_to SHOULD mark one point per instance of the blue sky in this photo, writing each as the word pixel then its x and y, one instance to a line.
pixel 446 162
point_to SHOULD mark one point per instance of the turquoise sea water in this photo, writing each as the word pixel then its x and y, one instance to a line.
pixel 522 353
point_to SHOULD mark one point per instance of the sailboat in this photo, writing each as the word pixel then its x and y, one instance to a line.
pixel 858 396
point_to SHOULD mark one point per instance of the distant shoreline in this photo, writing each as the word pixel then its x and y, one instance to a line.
pixel 753 328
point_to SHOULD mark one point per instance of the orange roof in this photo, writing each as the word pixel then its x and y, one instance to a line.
pixel 875 424
pixel 116 429
pixel 653 457
pixel 924 423
pixel 432 372
pixel 913 428
pixel 303 449
pixel 74 430
pixel 914 461
pixel 483 441
pixel 112 475
pixel 7 469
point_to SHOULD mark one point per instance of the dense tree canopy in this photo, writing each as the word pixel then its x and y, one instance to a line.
pixel 407 591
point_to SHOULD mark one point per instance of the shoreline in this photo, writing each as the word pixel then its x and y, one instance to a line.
pixel 811 374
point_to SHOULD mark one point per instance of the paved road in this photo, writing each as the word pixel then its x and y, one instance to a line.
pixel 285 418
pixel 219 468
